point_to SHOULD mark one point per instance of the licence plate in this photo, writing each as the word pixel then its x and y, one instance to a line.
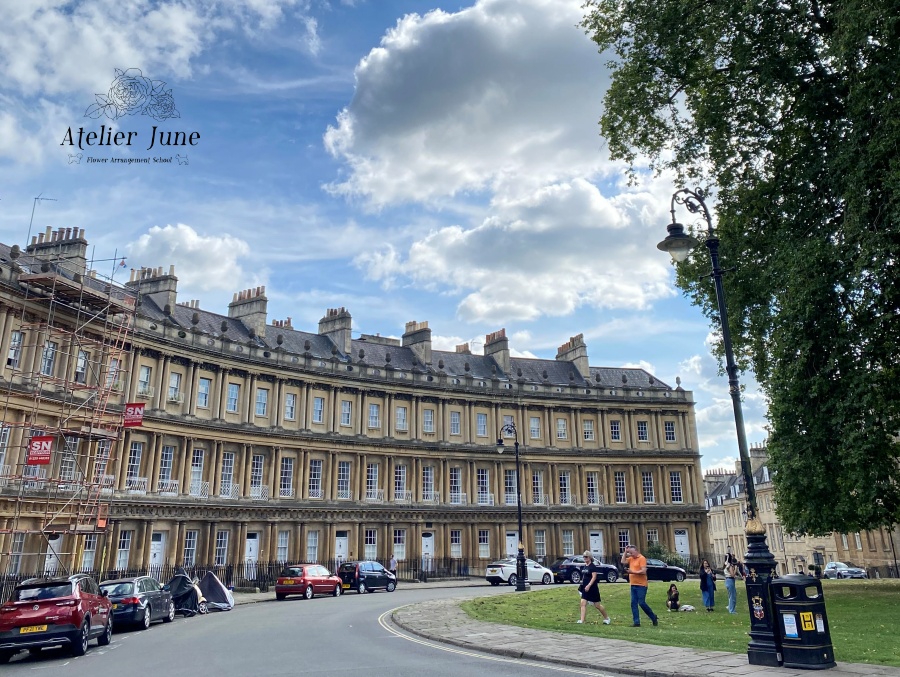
pixel 115 606
pixel 288 581
pixel 345 586
pixel 492 571
pixel 32 628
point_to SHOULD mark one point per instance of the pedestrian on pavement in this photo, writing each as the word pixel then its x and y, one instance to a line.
pixel 708 585
pixel 732 572
pixel 637 576
pixel 589 588
pixel 672 598
pixel 392 566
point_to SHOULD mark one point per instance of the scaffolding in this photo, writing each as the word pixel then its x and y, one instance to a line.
pixel 66 343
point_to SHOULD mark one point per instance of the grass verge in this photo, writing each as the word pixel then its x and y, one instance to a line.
pixel 863 616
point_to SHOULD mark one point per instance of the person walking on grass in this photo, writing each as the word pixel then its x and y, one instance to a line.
pixel 637 577
pixel 590 590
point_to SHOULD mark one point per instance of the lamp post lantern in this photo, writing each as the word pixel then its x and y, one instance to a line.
pixel 521 569
pixel 760 563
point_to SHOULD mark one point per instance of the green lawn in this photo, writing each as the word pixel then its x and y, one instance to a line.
pixel 864 617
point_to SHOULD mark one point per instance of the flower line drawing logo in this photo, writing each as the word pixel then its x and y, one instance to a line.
pixel 132 93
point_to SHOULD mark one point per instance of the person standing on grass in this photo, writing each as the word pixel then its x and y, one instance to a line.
pixel 589 588
pixel 708 585
pixel 637 577
pixel 732 572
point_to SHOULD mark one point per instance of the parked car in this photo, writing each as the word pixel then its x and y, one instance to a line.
pixel 571 569
pixel 841 570
pixel 43 612
pixel 366 576
pixel 307 580
pixel 657 570
pixel 139 600
pixel 504 571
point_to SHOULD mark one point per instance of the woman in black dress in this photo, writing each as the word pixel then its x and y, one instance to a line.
pixel 590 592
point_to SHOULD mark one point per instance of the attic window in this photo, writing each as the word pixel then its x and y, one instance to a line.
pixel 612 392
pixel 402 374
pixel 508 386
pixel 210 342
pixel 321 363
pixel 239 349
pixel 455 381
pixel 640 393
pixel 558 389
pixel 667 394
pixel 376 372
pixel 533 388
pixel 481 383
pixel 295 359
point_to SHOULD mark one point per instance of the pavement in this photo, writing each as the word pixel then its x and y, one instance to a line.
pixel 444 621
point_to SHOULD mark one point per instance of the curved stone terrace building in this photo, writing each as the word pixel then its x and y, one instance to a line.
pixel 262 442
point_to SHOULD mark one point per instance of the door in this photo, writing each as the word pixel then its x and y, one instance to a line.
pixel 682 547
pixel 512 543
pixel 51 558
pixel 341 546
pixel 251 555
pixel 427 551
pixel 157 552
pixel 597 544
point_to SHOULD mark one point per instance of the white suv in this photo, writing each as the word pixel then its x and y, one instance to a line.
pixel 504 571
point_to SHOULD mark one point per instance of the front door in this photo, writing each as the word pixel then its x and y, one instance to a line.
pixel 157 552
pixel 51 559
pixel 341 546
pixel 682 547
pixel 597 544
pixel 251 555
pixel 427 551
pixel 512 543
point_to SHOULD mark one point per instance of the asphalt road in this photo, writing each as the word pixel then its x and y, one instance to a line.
pixel 348 636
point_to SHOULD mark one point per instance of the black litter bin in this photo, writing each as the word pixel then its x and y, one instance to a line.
pixel 802 623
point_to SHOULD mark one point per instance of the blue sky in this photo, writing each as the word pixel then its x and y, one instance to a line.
pixel 407 160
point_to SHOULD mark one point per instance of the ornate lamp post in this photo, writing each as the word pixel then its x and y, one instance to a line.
pixel 521 569
pixel 762 650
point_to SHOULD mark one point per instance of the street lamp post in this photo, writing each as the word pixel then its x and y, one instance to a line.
pixel 762 649
pixel 521 569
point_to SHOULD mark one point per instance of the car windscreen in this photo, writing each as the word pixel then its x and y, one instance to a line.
pixel 558 562
pixel 292 571
pixel 348 566
pixel 118 589
pixel 39 592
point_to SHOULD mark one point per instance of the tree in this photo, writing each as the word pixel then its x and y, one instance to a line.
pixel 791 110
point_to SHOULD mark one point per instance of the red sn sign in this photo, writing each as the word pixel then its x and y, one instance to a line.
pixel 40 448
pixel 134 415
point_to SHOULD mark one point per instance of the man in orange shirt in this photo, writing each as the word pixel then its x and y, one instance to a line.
pixel 637 577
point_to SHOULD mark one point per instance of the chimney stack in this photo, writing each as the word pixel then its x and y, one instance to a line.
pixel 575 351
pixel 249 306
pixel 337 325
pixel 65 247
pixel 497 346
pixel 418 337
pixel 152 283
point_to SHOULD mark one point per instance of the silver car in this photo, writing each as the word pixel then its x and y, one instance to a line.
pixel 841 570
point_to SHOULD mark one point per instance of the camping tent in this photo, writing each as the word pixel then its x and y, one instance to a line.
pixel 218 597
pixel 184 594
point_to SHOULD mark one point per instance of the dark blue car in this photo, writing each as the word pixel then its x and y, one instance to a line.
pixel 139 601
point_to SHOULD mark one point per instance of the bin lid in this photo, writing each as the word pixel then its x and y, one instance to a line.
pixel 797 579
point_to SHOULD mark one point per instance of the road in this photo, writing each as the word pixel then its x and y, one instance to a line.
pixel 348 636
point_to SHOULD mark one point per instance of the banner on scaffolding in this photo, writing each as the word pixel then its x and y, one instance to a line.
pixel 40 448
pixel 134 415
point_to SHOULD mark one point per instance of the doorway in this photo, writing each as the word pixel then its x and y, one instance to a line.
pixel 341 545
pixel 682 546
pixel 596 539
pixel 427 551
pixel 251 555
pixel 157 552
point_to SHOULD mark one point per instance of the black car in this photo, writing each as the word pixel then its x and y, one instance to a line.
pixel 139 601
pixel 657 570
pixel 572 569
pixel 366 576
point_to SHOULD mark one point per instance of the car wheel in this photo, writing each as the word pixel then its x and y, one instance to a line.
pixel 391 586
pixel 169 617
pixel 361 588
pixel 513 579
pixel 679 577
pixel 145 621
pixel 280 596
pixel 80 644
pixel 204 607
pixel 839 575
pixel 308 593
pixel 106 637
pixel 546 579
pixel 338 590
pixel 576 577
pixel 612 576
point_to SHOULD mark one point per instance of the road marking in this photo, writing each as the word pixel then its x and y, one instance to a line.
pixel 382 621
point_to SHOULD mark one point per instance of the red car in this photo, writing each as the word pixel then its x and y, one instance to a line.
pixel 308 580
pixel 52 612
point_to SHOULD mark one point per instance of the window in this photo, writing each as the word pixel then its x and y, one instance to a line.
pixel 456 543
pixel 343 480
pixel 196 470
pixel 227 473
pixel 374 415
pixel 481 424
pixel 615 431
pixel 534 426
pixel 399 482
pixel 565 488
pixel 221 548
pixel 346 412
pixel 290 406
pixel 537 487
pixel 90 551
pixel 174 387
pixel 4 443
pixel 372 481
pixel 858 540
pixel 619 479
pixel 112 372
pixel 203 388
pixel 286 481
pixel 647 486
pixel 642 431
pixel 234 394
pixel 315 478
pixel 15 556
pixel 454 423
pixel 484 493
pixel 588 430
pixel 509 487
pixel 103 447
pixel 400 543
pixel 124 548
pixel 456 485
pixel 166 456
pixel 675 486
pixel 428 421
pixel 282 552
pixel 592 479
pixel 568 542
pixel 256 471
pixel 540 543
pixel 484 544
pixel 68 464
pixel 428 483
pixel 318 409
pixel 312 546
pixel 508 425
pixel 652 535
pixel 144 375
pixel 81 366
pixel 370 550
pixel 262 401
pixel 400 421
pixel 670 430
pixel 190 548
pixel 560 428
pixel 624 539
pixel 134 460
pixel 48 358
pixel 15 349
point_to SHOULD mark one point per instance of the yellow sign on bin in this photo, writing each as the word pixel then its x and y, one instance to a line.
pixel 806 620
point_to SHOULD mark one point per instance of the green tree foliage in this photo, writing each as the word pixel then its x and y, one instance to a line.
pixel 791 109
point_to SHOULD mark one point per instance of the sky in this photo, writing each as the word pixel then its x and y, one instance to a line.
pixel 405 159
